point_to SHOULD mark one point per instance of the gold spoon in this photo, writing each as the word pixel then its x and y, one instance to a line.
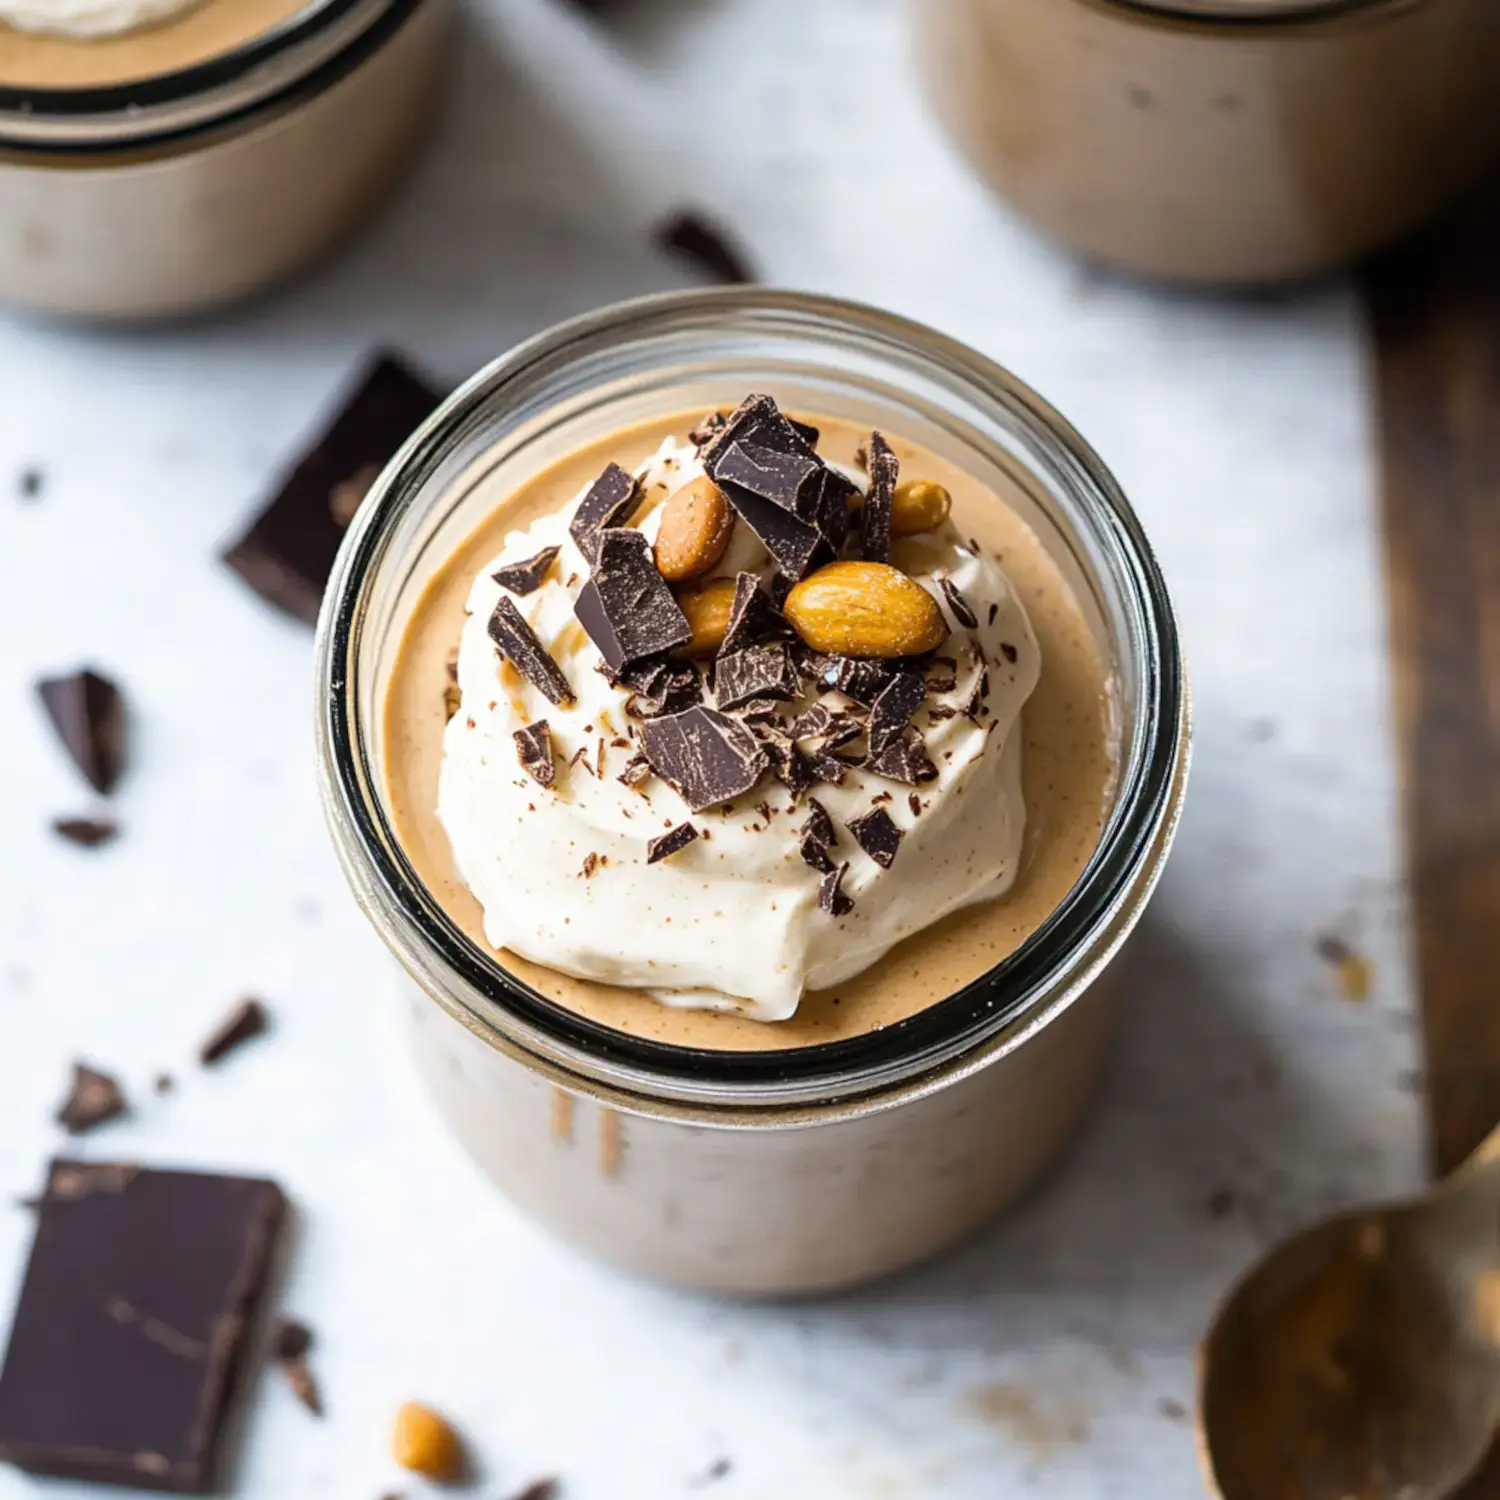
pixel 1360 1360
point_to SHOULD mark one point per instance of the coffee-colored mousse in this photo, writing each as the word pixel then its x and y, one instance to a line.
pixel 48 60
pixel 1068 765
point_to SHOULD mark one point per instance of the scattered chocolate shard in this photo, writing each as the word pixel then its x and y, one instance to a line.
pixel 752 616
pixel 877 834
pixel 758 419
pixel 957 603
pixel 859 677
pixel 626 607
pixel 706 755
pixel 31 483
pixel 812 665
pixel 788 764
pixel 163 1083
pixel 132 1323
pixel 819 825
pixel 892 711
pixel 905 759
pixel 88 833
pixel 994 610
pixel 671 843
pixel 93 1098
pixel 915 803
pixel 875 525
pixel 610 501
pixel 708 428
pixel 290 1339
pixel 979 690
pixel 1009 652
pixel 761 710
pixel 590 864
pixel 637 769
pixel 519 645
pixel 526 577
pixel 756 672
pixel 246 1021
pixel 791 480
pixel 534 751
pixel 833 507
pixel 540 1489
pixel 796 546
pixel 814 852
pixel 88 713
pixel 287 554
pixel 942 675
pixel 696 238
pixel 831 897
pixel 826 766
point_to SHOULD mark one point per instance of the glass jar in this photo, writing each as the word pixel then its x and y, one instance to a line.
pixel 778 1171
pixel 169 194
pixel 1223 141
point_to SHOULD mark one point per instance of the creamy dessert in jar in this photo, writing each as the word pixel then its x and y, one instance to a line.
pixel 772 736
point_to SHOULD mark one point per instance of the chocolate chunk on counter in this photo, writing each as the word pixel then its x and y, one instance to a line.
pixel 534 750
pixel 877 834
pixel 626 607
pixel 610 500
pixel 756 672
pixel 707 245
pixel 518 643
pixel 884 470
pixel 831 897
pixel 819 825
pixel 244 1023
pixel 905 759
pixel 671 843
pixel 709 757
pixel 132 1323
pixel 957 603
pixel 526 577
pixel 93 1098
pixel 892 711
pixel 88 833
pixel 88 712
pixel 287 554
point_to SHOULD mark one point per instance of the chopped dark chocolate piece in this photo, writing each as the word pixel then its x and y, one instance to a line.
pixel 833 512
pixel 668 844
pixel 519 645
pixel 755 672
pixel 707 245
pixel 915 803
pixel 752 616
pixel 637 769
pixel 534 751
pixel 709 757
pixel 942 675
pixel 88 713
pixel 891 712
pixel 1008 651
pixel 940 711
pixel 526 577
pixel 626 607
pixel 905 759
pixel 89 833
pixel 875 523
pixel 611 499
pixel 859 677
pixel 132 1323
pixel 590 864
pixel 827 767
pixel 247 1020
pixel 760 710
pixel 957 603
pixel 811 664
pixel 791 480
pixel 708 428
pixel 814 852
pixel 819 825
pixel 290 1339
pixel 796 546
pixel 788 764
pixel 877 834
pixel 287 554
pixel 830 893
pixel 93 1098
pixel 757 419
pixel 979 690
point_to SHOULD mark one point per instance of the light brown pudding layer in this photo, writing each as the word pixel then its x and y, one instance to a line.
pixel 41 60
pixel 1069 767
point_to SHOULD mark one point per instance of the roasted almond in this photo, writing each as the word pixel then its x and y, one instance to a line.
pixel 865 609
pixel 696 524
pixel 919 505
pixel 707 610
pixel 427 1443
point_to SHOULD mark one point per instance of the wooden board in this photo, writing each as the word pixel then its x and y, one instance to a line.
pixel 1434 310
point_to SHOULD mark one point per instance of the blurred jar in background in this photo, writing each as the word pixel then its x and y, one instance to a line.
pixel 1219 141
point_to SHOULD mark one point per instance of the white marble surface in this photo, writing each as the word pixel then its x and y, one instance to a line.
pixel 1035 1360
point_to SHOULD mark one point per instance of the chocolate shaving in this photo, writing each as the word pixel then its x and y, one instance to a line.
pixel 518 643
pixel 88 833
pixel 940 711
pixel 590 864
pixel 93 1098
pixel 707 756
pixel 526 577
pixel 942 675
pixel 891 712
pixel 973 705
pixel 815 853
pixel 290 1339
pixel 752 616
pixel 875 523
pixel 247 1020
pixel 88 713
pixel 877 834
pixel 819 825
pixel 534 751
pixel 668 844
pixel 1008 651
pixel 304 1387
pixel 756 672
pixel 637 769
pixel 696 238
pixel 540 1489
pixel 957 603
pixel 708 429
pixel 788 764
pixel 626 607
pixel 905 759
pixel 915 803
pixel 994 610
pixel 610 500
pixel 831 897
pixel 860 678
pixel 760 710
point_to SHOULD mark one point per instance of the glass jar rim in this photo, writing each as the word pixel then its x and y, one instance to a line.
pixel 1248 15
pixel 1150 774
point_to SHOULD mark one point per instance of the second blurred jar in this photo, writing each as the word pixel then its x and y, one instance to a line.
pixel 1229 141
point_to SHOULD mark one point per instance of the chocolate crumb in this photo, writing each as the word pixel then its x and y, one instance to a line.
pixel 540 1489
pixel 88 713
pixel 915 803
pixel 940 711
pixel 708 428
pixel 590 864
pixel 247 1020
pixel 696 238
pixel 89 833
pixel 882 797
pixel 290 1339
pixel 30 483
pixel 994 610
pixel 304 1387
pixel 637 769
pixel 668 844
pixel 877 834
pixel 163 1083
pixel 957 603
pixel 93 1098
pixel 831 897
pixel 526 577
pixel 518 643
pixel 1008 651
pixel 534 751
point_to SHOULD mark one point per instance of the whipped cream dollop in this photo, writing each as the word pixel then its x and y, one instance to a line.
pixel 733 921
pixel 87 19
